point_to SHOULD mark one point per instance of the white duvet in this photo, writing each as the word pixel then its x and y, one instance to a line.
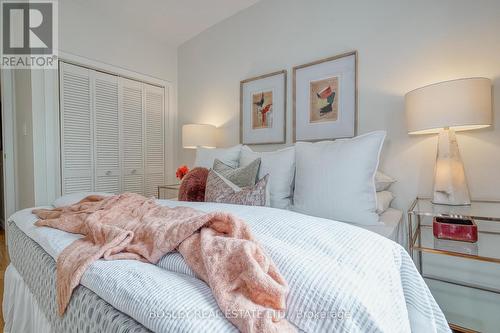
pixel 342 278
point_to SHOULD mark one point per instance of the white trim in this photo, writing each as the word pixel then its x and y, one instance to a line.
pixel 111 69
pixel 46 152
pixel 120 135
pixel 8 125
pixel 144 154
pixel 53 137
pixel 93 154
pixel 171 127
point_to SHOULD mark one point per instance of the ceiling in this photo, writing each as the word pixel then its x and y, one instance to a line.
pixel 176 21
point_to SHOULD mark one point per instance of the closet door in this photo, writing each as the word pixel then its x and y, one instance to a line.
pixel 154 135
pixel 77 162
pixel 132 134
pixel 106 133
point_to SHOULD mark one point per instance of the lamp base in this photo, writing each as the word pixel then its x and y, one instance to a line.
pixel 450 184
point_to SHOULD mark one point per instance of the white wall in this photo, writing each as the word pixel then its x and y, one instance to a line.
pixel 86 29
pixel 402 45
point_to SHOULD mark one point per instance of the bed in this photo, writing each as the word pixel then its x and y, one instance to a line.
pixel 341 278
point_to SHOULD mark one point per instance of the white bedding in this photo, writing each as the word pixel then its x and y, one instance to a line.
pixel 342 278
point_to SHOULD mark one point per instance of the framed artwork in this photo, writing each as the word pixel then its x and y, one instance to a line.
pixel 263 109
pixel 325 99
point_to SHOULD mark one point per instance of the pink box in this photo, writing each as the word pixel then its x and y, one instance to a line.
pixel 455 229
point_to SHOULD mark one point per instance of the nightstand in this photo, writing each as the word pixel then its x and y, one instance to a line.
pixel 463 277
pixel 170 191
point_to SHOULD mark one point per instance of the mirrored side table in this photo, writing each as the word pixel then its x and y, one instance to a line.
pixel 463 277
pixel 169 191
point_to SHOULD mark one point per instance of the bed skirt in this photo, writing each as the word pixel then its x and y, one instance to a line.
pixel 20 308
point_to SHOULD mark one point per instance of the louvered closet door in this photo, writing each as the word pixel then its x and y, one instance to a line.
pixel 155 165
pixel 132 133
pixel 106 133
pixel 76 129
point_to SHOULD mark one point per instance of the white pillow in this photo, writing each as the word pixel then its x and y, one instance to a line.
pixel 280 165
pixel 73 198
pixel 382 181
pixel 205 156
pixel 384 199
pixel 335 179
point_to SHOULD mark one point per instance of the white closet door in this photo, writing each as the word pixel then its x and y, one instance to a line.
pixel 154 135
pixel 106 133
pixel 76 129
pixel 132 134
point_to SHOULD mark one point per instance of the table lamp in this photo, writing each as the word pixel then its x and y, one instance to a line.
pixel 198 135
pixel 446 107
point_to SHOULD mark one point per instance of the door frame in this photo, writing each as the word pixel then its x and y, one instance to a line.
pixel 169 104
pixel 8 125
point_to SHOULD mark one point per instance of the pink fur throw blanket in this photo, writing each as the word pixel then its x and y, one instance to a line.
pixel 218 247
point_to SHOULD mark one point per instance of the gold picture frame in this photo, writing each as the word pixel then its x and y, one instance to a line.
pixel 257 100
pixel 328 108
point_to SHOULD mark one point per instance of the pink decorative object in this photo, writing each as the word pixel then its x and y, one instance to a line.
pixel 455 229
pixel 193 185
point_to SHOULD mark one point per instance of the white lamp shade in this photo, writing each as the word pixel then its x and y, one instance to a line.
pixel 462 104
pixel 198 135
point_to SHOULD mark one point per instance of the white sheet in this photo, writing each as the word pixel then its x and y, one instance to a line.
pixel 354 280
pixel 20 309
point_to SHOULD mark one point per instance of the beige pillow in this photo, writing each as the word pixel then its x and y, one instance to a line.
pixel 242 177
pixel 219 189
pixel 384 199
pixel 382 181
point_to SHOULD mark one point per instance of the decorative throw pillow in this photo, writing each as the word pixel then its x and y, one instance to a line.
pixel 382 181
pixel 193 185
pixel 222 190
pixel 280 166
pixel 205 156
pixel 242 177
pixel 335 179
pixel 384 199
